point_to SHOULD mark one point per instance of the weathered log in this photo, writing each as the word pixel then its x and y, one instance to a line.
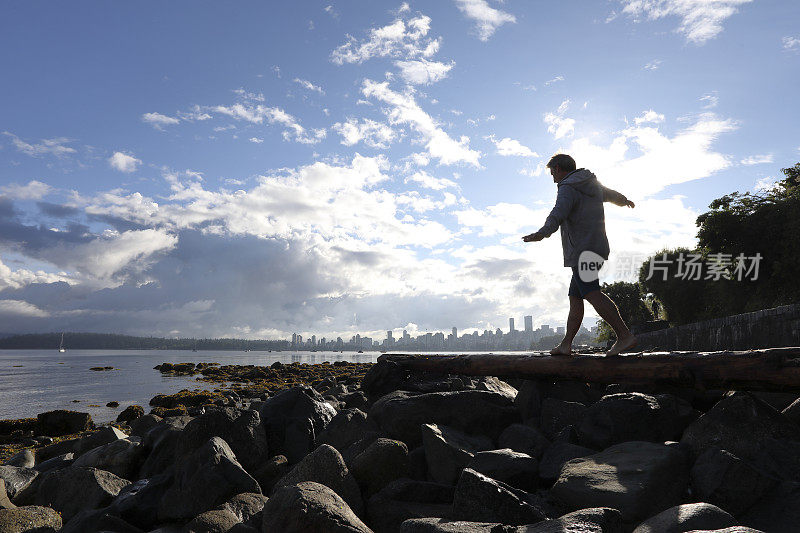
pixel 766 369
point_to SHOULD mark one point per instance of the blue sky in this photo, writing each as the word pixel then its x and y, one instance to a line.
pixel 264 168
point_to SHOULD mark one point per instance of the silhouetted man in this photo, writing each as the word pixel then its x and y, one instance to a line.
pixel 579 213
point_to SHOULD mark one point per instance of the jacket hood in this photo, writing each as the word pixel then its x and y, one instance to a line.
pixel 581 180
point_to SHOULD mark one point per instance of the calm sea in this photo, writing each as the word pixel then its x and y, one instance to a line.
pixel 35 381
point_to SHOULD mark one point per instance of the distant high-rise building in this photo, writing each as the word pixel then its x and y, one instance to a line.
pixel 529 323
pixel 313 340
pixel 455 332
pixel 560 330
pixel 511 325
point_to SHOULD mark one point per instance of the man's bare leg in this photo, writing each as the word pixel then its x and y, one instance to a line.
pixel 573 325
pixel 609 312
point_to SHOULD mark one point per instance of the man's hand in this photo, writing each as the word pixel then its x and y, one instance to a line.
pixel 533 237
pixel 628 203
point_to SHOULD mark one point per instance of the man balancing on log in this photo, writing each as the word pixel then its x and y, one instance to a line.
pixel 579 212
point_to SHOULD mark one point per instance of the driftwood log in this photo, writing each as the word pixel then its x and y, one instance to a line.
pixel 776 369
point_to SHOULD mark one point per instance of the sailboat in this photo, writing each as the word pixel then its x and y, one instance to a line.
pixel 61 348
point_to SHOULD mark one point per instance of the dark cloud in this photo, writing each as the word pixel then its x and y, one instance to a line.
pixel 7 210
pixel 57 210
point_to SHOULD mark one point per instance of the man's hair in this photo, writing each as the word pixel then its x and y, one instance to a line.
pixel 562 161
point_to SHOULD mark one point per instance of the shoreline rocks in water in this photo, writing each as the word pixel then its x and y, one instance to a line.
pixel 361 448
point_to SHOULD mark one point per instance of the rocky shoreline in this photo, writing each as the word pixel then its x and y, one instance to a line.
pixel 359 447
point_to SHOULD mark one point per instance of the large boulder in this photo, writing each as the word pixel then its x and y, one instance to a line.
pixel 74 489
pixel 382 378
pixel 130 413
pixel 204 480
pixel 777 511
pixel 121 457
pixel 270 472
pixel 103 435
pixel 24 458
pixel 639 479
pixel 98 521
pixel 404 499
pixel 348 426
pixel 779 458
pixel 310 507
pixel 556 455
pixel 160 444
pixel 240 429
pixel 516 469
pixel 630 416
pixel 5 503
pixel 687 517
pixel 529 399
pixel 597 520
pixel 138 502
pixel 446 525
pixel 523 439
pixel 213 521
pixel 448 450
pixel 61 422
pixel 401 414
pixel 293 421
pixel 740 424
pixel 54 463
pixel 721 478
pixel 30 519
pixel 381 463
pixel 558 414
pixel 17 478
pixel 482 499
pixel 326 466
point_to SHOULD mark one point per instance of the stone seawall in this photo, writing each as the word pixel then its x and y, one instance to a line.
pixel 767 328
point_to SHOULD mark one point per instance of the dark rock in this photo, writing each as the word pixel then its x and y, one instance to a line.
pixel 444 525
pixel 246 506
pixel 360 445
pixel 121 457
pixel 17 478
pixel 558 414
pixel 5 503
pixel 448 450
pixel 639 479
pixel 401 414
pixel 270 472
pixel 622 417
pixel 326 466
pixel 203 480
pixel 54 463
pixel 214 521
pixel 687 517
pixel 164 412
pixel 523 439
pixel 310 507
pixel 138 502
pixel 676 415
pixel 516 469
pixel 493 384
pixel 74 489
pixel 593 520
pixel 739 424
pixel 779 459
pixel 162 441
pixel 345 428
pixel 293 420
pixel 24 458
pixel 61 422
pixel 404 499
pixel 529 400
pixel 355 400
pixel 381 463
pixel 777 400
pixel 417 465
pixel 130 413
pixel 240 429
pixel 481 499
pixel 721 478
pixel 103 435
pixel 777 512
pixel 29 520
pixel 556 455
pixel 573 391
pixel 792 412
pixel 141 425
pixel 734 529
pixel 54 450
pixel 113 404
pixel 91 521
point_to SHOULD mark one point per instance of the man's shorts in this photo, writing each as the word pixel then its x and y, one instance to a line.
pixel 579 288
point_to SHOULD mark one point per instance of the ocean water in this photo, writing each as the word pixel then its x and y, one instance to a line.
pixel 35 381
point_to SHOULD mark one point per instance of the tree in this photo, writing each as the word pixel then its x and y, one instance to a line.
pixel 630 300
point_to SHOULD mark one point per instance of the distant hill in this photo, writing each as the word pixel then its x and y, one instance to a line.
pixel 110 341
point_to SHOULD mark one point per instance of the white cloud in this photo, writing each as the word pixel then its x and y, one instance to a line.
pixel 21 308
pixel 701 20
pixel 422 71
pixel 256 140
pixel 45 147
pixel 653 65
pixel 373 134
pixel 124 162
pixel 791 43
pixel 649 116
pixel 554 80
pixel 33 190
pixel 765 184
pixel 310 86
pixel 405 110
pixel 512 147
pixel 258 114
pixel 503 218
pixel 158 121
pixel 430 182
pixel 15 279
pixel 559 125
pixel 757 159
pixel 710 100
pixel 401 38
pixel 487 19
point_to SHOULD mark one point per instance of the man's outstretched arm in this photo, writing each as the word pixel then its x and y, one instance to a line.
pixel 564 203
pixel 617 198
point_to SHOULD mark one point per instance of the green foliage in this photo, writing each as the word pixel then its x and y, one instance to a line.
pixel 633 307
pixel 765 223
